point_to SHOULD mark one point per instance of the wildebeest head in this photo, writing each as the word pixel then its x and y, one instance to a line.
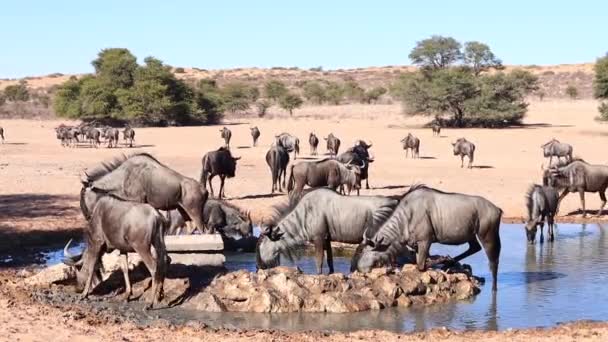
pixel 77 262
pixel 266 252
pixel 370 253
pixel 242 229
pixel 457 145
pixel 531 228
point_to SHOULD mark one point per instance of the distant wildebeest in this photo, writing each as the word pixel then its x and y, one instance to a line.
pixel 62 134
pixel 321 216
pixel 554 148
pixel 2 134
pixel 277 159
pixel 111 135
pixel 218 163
pixel 463 147
pixel 141 178
pixel 359 155
pixel 128 134
pixel 333 144
pixel 541 205
pixel 326 172
pixel 93 135
pixel 578 176
pixel 126 226
pixel 436 127
pixel 226 135
pixel 424 216
pixel 314 142
pixel 255 134
pixel 289 142
pixel 413 143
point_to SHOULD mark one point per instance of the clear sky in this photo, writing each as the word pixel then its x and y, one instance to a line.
pixel 42 37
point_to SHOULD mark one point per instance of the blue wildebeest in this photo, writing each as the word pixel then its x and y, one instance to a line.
pixel 578 176
pixel 2 134
pixel 410 142
pixel 289 142
pixel 218 163
pixel 541 205
pixel 320 217
pixel 93 135
pixel 424 216
pixel 114 224
pixel 436 127
pixel 226 134
pixel 255 134
pixel 333 145
pixel 314 142
pixel 326 172
pixel 554 148
pixel 277 159
pixel 141 178
pixel 111 135
pixel 359 155
pixel 463 147
pixel 128 134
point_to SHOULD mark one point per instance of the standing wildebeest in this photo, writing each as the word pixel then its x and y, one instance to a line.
pixel 554 148
pixel 425 216
pixel 333 144
pixel 289 142
pixel 541 204
pixel 255 134
pixel 218 163
pixel 359 155
pixel 62 133
pixel 2 134
pixel 413 143
pixel 125 226
pixel 578 176
pixel 128 134
pixel 93 135
pixel 322 216
pixel 111 135
pixel 141 178
pixel 463 147
pixel 314 142
pixel 436 127
pixel 226 135
pixel 277 159
pixel 326 172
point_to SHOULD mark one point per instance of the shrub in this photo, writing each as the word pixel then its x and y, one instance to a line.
pixel 290 102
pixel 262 107
pixel 179 70
pixel 17 92
pixel 274 90
pixel 572 91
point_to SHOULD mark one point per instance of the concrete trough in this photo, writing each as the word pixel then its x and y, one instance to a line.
pixel 204 243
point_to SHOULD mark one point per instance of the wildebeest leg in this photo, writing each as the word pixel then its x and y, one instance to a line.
pixel 462 160
pixel 603 198
pixel 422 254
pixel 330 257
pixel 581 194
pixel 560 198
pixel 211 184
pixel 491 244
pixel 550 227
pixel 366 186
pixel 222 179
pixel 91 265
pixel 319 255
pixel 145 251
pixel 474 247
pixel 471 161
pixel 124 265
pixel 541 225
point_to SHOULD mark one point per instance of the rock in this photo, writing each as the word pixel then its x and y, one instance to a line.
pixel 175 289
pixel 465 290
pixel 205 301
pixel 194 243
pixel 52 274
pixel 404 301
pixel 198 259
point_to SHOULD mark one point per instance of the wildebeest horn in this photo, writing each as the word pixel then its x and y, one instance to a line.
pixel 542 166
pixel 350 161
pixel 368 145
pixel 236 158
pixel 363 164
pixel 69 259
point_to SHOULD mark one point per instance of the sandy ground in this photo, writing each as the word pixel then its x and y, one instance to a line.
pixel 39 185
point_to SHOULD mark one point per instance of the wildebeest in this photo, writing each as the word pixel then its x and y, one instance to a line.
pixel 463 147
pixel 541 205
pixel 359 155
pixel 111 135
pixel 321 216
pixel 62 134
pixel 326 172
pixel 436 127
pixel 128 134
pixel 226 134
pixel 141 178
pixel 314 142
pixel 333 144
pixel 126 226
pixel 218 163
pixel 93 135
pixel 277 159
pixel 255 134
pixel 413 143
pixel 289 142
pixel 554 148
pixel 424 216
pixel 2 134
pixel 578 176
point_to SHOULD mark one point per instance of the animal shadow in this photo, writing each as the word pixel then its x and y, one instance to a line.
pixel 389 187
pixel 426 157
pixel 308 158
pixel 580 212
pixel 276 194
pixel 15 143
pixel 483 167
pixel 243 147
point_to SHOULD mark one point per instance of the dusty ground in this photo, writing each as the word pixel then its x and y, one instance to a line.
pixel 39 187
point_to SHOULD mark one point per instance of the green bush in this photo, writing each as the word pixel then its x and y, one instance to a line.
pixel 237 96
pixel 262 107
pixel 17 92
pixel 179 70
pixel 290 102
pixel 600 86
pixel 572 91
pixel 373 95
pixel 274 90
pixel 314 92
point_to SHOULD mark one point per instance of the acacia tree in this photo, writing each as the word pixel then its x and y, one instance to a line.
pixel 290 102
pixel 600 86
pixel 436 52
pixel 480 58
pixel 274 90
pixel 572 91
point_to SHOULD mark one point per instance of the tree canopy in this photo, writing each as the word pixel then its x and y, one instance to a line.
pixel 600 85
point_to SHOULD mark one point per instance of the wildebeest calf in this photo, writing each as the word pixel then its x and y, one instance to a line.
pixel 226 134
pixel 436 127
pixel 111 135
pixel 463 147
pixel 128 134
pixel 541 204
pixel 333 144
pixel 326 172
pixel 255 134
pixel 218 163
pixel 410 142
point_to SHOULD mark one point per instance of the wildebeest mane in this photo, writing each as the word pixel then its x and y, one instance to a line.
pixel 529 200
pixel 108 166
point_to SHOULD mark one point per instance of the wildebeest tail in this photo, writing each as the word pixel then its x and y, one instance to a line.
pixel 204 175
pixel 296 146
pixel 292 182
pixel 83 205
pixel 276 168
pixel 158 242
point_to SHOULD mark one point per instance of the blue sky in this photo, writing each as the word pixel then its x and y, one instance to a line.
pixel 42 37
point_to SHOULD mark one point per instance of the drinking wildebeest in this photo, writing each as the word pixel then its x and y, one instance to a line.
pixel 463 147
pixel 326 172
pixel 93 135
pixel 226 135
pixel 218 163
pixel 413 143
pixel 436 127
pixel 359 155
pixel 424 216
pixel 554 148
pixel 128 134
pixel 2 134
pixel 333 144
pixel 111 135
pixel 126 226
pixel 277 159
pixel 321 216
pixel 141 178
pixel 289 142
pixel 578 176
pixel 255 134
pixel 541 204
pixel 314 142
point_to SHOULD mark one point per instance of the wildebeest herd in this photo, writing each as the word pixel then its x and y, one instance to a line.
pixel 122 199
pixel 91 135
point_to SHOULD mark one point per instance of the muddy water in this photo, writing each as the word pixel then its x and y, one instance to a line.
pixel 539 285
